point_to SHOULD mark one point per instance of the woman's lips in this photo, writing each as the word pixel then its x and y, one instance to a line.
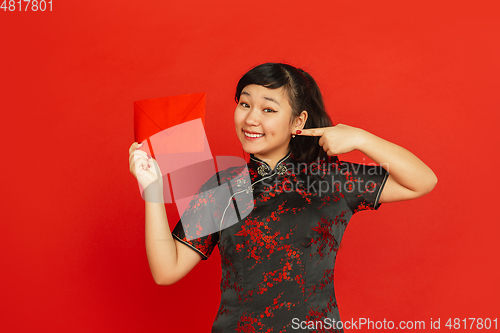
pixel 253 136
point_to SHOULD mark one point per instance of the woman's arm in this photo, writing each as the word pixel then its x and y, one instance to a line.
pixel 169 259
pixel 409 177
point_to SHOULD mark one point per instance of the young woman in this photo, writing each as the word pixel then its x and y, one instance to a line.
pixel 278 261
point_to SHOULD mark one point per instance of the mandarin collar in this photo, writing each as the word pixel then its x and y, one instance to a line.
pixel 263 169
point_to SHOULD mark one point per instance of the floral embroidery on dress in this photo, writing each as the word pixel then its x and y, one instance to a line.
pixel 278 262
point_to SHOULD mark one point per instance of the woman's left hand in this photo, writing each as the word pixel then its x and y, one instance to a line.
pixel 336 140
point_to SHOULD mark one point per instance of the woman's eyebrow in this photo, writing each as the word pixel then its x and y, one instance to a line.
pixel 272 100
pixel 265 97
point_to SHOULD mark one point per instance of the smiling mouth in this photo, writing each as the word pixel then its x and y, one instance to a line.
pixel 253 135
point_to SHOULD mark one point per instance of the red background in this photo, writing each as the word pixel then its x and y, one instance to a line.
pixel 422 74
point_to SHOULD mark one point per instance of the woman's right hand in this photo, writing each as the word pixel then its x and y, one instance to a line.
pixel 144 168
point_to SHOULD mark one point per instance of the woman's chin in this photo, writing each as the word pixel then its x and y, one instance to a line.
pixel 249 148
pixel 251 151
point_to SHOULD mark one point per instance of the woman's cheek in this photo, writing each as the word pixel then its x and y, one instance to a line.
pixel 237 120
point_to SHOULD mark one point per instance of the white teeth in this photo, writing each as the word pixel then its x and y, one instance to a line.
pixel 253 135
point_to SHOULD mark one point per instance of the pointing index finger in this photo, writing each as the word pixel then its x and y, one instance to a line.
pixel 311 132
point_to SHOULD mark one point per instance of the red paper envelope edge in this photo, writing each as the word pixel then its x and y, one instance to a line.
pixel 155 115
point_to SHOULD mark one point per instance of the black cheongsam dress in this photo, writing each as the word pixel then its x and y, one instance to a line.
pixel 278 260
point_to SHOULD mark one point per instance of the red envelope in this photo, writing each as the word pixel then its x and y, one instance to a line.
pixel 152 116
pixel 173 129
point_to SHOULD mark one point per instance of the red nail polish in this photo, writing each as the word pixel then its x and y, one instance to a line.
pixel 298 131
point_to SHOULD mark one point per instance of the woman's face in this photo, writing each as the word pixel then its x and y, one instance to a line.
pixel 263 124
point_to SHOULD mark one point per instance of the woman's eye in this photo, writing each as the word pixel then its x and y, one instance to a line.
pixel 268 110
pixel 245 105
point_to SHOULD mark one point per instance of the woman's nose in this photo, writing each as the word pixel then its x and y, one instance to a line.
pixel 252 118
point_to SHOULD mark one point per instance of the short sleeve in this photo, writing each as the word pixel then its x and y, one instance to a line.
pixel 196 218
pixel 361 184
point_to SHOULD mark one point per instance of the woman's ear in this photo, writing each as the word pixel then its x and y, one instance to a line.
pixel 300 120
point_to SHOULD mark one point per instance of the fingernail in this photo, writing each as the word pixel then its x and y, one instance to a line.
pixel 298 131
